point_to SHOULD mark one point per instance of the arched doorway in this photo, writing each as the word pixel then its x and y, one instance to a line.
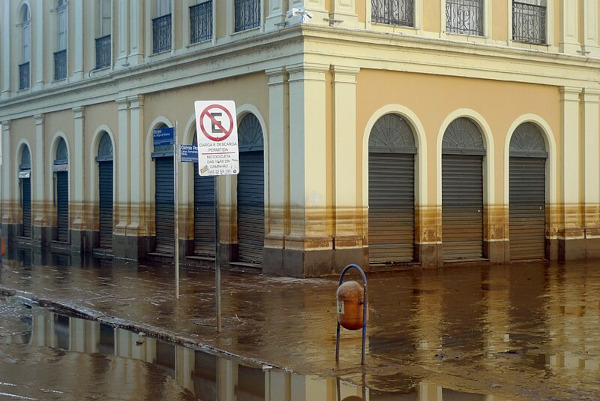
pixel 250 191
pixel 164 197
pixel 105 191
pixel 204 212
pixel 61 175
pixel 25 181
pixel 462 191
pixel 527 193
pixel 392 152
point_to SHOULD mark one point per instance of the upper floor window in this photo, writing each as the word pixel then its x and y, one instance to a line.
pixel 60 56
pixel 103 41
pixel 24 67
pixel 529 21
pixel 393 12
pixel 161 27
pixel 247 14
pixel 464 17
pixel 201 16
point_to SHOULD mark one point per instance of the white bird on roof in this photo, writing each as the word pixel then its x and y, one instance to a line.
pixel 294 12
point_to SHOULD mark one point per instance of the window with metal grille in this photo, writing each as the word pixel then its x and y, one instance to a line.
pixel 464 17
pixel 60 57
pixel 24 67
pixel 247 14
pixel 201 16
pixel 103 41
pixel 161 34
pixel 529 21
pixel 393 12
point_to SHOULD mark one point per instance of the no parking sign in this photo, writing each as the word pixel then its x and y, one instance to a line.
pixel 216 130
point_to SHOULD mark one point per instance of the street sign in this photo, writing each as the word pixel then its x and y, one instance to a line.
pixel 216 129
pixel 189 153
pixel 164 136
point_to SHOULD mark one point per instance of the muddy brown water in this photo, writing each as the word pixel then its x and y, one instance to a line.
pixel 527 331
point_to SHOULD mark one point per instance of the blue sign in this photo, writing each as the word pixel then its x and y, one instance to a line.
pixel 164 136
pixel 189 153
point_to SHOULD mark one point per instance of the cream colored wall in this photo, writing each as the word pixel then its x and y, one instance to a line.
pixel 500 15
pixel 433 98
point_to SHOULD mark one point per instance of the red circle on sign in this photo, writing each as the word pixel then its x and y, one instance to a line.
pixel 205 113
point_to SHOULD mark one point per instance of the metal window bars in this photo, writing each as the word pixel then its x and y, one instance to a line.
pixel 393 12
pixel 103 52
pixel 529 23
pixel 161 34
pixel 24 76
pixel 60 65
pixel 201 27
pixel 247 14
pixel 464 17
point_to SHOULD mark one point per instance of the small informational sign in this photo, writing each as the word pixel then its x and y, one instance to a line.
pixel 189 153
pixel 216 128
pixel 164 136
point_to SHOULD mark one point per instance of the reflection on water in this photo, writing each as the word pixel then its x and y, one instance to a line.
pixel 76 345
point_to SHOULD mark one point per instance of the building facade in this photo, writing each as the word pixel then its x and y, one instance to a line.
pixel 379 132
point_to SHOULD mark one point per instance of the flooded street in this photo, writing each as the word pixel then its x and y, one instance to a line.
pixel 526 331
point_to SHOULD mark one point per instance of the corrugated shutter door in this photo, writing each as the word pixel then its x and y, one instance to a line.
pixel 527 208
pixel 26 207
pixel 204 214
pixel 391 207
pixel 62 206
pixel 164 205
pixel 462 207
pixel 106 203
pixel 250 208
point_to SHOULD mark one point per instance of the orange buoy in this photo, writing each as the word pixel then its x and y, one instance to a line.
pixel 350 303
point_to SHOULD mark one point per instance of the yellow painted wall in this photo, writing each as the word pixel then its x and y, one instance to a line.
pixel 433 98
pixel 500 15
pixel 431 15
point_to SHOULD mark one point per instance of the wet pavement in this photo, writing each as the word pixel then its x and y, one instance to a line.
pixel 507 332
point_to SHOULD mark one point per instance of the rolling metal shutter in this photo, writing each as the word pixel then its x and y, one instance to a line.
pixel 250 207
pixel 62 206
pixel 26 206
pixel 391 207
pixel 105 170
pixel 462 207
pixel 527 214
pixel 164 205
pixel 204 214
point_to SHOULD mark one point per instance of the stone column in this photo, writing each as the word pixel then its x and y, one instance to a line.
pixel 309 247
pixel 591 146
pixel 569 27
pixel 348 231
pixel 571 244
pixel 276 226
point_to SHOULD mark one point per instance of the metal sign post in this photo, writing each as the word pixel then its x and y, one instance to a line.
pixel 218 154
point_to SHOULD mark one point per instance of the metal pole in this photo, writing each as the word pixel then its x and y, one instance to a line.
pixel 217 256
pixel 175 166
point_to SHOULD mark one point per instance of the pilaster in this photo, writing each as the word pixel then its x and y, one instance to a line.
pixel 78 171
pixel 344 11
pixel 309 247
pixel 277 225
pixel 78 37
pixel 571 233
pixel 122 42
pixel 276 15
pixel 7 174
pixel 41 184
pixel 122 169
pixel 569 27
pixel 347 218
pixel 589 27
pixel 137 157
pixel 591 167
pixel 5 59
pixel 38 64
pixel 136 21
